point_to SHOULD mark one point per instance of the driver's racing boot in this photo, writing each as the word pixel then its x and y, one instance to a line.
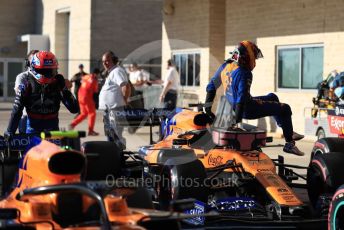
pixel 290 147
pixel 297 136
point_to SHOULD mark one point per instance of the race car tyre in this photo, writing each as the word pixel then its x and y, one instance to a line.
pixel 142 198
pixel 324 175
pixel 103 160
pixel 321 134
pixel 181 181
pixel 328 144
pixel 336 211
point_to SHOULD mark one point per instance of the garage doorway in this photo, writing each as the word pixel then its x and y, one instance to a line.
pixel 9 69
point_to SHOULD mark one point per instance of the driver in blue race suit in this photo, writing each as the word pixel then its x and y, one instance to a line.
pixel 41 93
pixel 236 77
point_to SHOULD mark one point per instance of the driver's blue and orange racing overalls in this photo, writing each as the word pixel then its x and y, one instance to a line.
pixel 237 83
pixel 42 103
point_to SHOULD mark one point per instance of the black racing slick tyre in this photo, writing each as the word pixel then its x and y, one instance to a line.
pixel 141 198
pixel 336 211
pixel 182 181
pixel 324 175
pixel 328 144
pixel 103 160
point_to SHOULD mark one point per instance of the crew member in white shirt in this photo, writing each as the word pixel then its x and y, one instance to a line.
pixel 136 77
pixel 113 97
pixel 170 87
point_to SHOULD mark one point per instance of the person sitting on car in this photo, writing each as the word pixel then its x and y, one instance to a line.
pixel 237 91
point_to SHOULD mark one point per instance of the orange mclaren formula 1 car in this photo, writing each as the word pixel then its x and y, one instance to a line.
pixel 226 170
pixel 51 192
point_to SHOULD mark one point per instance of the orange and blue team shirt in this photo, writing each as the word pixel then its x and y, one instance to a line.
pixel 89 86
pixel 222 77
pixel 236 82
pixel 239 92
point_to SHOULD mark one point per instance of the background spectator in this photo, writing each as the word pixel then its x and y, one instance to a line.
pixel 136 77
pixel 138 80
pixel 77 80
pixel 22 79
pixel 89 86
pixel 170 88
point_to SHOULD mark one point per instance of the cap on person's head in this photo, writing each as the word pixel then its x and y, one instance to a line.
pixel 81 66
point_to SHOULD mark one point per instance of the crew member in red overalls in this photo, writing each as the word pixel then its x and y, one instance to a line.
pixel 89 86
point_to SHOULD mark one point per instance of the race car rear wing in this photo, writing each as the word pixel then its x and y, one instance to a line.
pixel 140 117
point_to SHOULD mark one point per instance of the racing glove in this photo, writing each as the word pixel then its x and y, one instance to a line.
pixel 67 97
pixel 208 104
pixel 60 81
pixel 69 101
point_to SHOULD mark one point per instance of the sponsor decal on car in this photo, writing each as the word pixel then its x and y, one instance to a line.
pixel 215 160
pixel 282 190
pixel 129 113
pixel 273 180
pixel 339 111
pixel 336 124
pixel 198 209
pixel 259 162
pixel 234 204
pixel 250 154
pixel 21 143
pixel 263 170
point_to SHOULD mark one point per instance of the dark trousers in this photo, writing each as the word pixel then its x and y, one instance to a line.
pixel 39 125
pixel 113 131
pixel 269 105
pixel 170 100
pixel 22 124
